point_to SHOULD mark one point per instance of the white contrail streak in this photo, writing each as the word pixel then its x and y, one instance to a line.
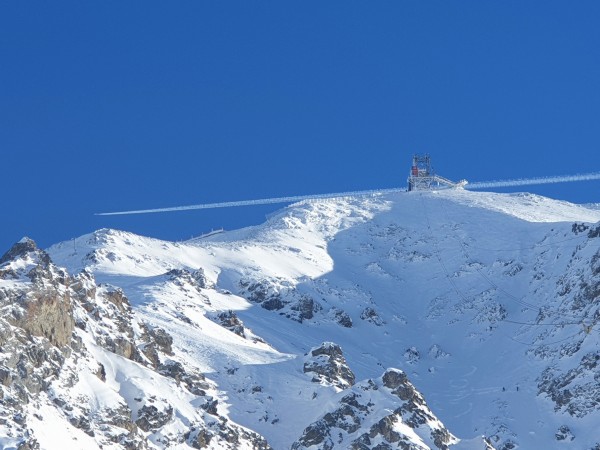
pixel 530 181
pixel 297 198
pixel 262 201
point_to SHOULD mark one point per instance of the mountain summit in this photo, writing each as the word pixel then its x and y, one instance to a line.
pixel 423 320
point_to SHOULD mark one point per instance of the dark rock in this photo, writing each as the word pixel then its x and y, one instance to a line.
pixel 315 434
pixel 150 418
pixel 306 308
pixel 573 391
pixel 196 278
pixel 83 423
pixel 370 315
pixel 385 428
pixel 202 439
pixel 564 434
pixel 157 338
pixel 101 372
pixel 327 364
pixel 194 382
pixel 30 443
pixel 118 298
pixel 357 415
pixel 22 248
pixel 211 406
pixel 119 417
pixel 48 314
pixel 200 277
pixel 273 304
pixel 363 442
pixel 594 232
pixel 120 346
pixel 342 318
pixel 394 378
pixel 412 355
pixel 231 321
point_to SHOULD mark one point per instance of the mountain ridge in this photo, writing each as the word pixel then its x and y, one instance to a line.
pixel 481 299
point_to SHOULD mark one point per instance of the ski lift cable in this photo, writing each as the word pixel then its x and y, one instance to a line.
pixel 534 344
pixel 532 247
pixel 508 294
pixel 483 275
pixel 528 305
pixel 465 298
pixel 553 324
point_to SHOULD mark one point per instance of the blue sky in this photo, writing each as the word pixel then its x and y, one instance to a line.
pixel 110 105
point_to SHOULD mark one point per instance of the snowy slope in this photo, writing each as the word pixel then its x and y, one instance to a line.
pixel 488 302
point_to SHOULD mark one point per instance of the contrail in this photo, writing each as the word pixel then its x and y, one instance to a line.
pixel 297 198
pixel 530 181
pixel 262 201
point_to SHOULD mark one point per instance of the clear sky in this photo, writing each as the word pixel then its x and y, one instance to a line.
pixel 114 105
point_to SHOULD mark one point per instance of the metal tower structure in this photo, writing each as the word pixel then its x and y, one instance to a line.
pixel 423 178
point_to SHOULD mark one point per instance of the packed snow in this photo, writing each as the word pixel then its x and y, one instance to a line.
pixel 447 286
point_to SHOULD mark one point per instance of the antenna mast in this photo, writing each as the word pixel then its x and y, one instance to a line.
pixel 422 177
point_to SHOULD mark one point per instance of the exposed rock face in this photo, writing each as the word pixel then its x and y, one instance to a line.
pixel 278 295
pixel 21 249
pixel 52 330
pixel 155 340
pixel 230 321
pixel 570 385
pixel 564 434
pixel 196 278
pixel 266 293
pixel 37 322
pixel 370 315
pixel 342 318
pixel 48 314
pixel 327 365
pixel 305 308
pixel 357 422
pixel 151 418
pixel 574 391
pixel 228 436
pixel 42 307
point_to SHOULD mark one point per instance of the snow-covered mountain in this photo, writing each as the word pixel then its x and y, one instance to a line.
pixel 423 320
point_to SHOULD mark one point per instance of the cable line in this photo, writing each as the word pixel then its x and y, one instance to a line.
pixel 586 328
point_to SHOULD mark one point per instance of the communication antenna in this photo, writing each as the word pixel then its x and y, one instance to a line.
pixel 423 178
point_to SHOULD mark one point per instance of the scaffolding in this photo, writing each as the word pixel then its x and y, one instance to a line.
pixel 423 178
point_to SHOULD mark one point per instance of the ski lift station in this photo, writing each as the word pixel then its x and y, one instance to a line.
pixel 422 177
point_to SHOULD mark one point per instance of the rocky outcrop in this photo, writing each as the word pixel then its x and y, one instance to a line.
pixel 358 423
pixel 327 365
pixel 278 295
pixel 230 321
pixel 37 324
pixel 184 278
pixel 150 418
pixel 574 391
pixel 154 340
pixel 370 315
pixel 24 248
pixel 342 318
pixel 39 304
pixel 76 346
pixel 227 436
pixel 194 381
pixel 573 386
